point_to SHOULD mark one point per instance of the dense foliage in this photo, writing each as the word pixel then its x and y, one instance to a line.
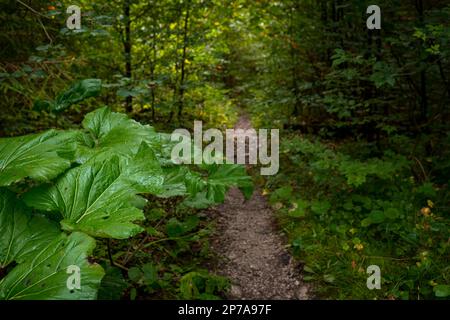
pixel 91 181
pixel 364 156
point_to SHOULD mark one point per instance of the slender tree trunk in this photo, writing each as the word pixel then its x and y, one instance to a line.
pixel 423 75
pixel 443 77
pixel 153 65
pixel 334 13
pixel 293 54
pixel 152 78
pixel 176 85
pixel 127 51
pixel 324 18
pixel 423 96
pixel 183 62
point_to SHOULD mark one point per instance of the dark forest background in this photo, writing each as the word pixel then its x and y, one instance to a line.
pixel 364 118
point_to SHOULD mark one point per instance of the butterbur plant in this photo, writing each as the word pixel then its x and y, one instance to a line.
pixel 62 190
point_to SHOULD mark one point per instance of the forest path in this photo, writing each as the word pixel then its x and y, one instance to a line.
pixel 251 249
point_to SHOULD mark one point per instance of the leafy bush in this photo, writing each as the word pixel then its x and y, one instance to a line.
pixel 61 190
pixel 345 213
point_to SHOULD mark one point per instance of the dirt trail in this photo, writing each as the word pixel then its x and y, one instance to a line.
pixel 253 255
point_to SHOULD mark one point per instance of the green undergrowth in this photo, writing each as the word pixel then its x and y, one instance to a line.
pixel 344 210
pixel 104 203
pixel 170 260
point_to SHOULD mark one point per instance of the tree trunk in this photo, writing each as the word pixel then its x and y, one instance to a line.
pixel 423 75
pixel 292 35
pixel 183 62
pixel 153 65
pixel 127 51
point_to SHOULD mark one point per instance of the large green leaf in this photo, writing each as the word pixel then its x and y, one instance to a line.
pixel 112 133
pixel 174 182
pixel 143 171
pixel 199 201
pixel 181 181
pixel 442 291
pixel 39 156
pixel 100 198
pixel 46 275
pixel 222 177
pixel 113 284
pixel 77 92
pixel 22 234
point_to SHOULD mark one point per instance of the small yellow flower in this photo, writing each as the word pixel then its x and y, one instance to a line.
pixel 358 246
pixel 426 211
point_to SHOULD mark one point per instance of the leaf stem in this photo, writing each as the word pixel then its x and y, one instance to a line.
pixel 108 245
pixel 2 272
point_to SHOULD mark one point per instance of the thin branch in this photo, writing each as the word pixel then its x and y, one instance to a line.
pixel 421 167
pixel 45 31
pixel 33 10
pixel 40 21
